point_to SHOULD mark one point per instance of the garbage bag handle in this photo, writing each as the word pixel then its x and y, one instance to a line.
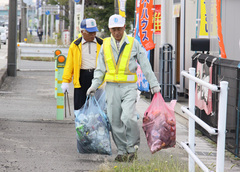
pixel 102 113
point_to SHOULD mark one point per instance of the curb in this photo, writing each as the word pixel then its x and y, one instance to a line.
pixel 3 75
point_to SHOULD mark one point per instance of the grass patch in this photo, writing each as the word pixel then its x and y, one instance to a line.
pixel 155 164
pixel 48 59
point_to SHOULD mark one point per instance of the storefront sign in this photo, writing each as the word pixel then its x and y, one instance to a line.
pixel 157 23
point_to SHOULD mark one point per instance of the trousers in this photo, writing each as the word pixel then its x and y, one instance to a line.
pixel 121 101
pixel 85 80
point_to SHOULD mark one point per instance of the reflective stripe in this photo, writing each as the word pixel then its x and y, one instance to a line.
pixel 120 78
pixel 118 72
pixel 108 56
pixel 60 94
pixel 60 107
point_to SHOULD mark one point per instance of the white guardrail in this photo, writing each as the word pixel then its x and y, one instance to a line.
pixel 38 50
pixel 220 131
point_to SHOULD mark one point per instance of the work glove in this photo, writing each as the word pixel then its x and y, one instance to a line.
pixel 155 89
pixel 91 91
pixel 65 87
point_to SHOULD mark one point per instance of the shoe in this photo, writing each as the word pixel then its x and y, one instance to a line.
pixel 132 156
pixel 121 158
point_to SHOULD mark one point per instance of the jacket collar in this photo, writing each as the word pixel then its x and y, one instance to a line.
pixel 123 40
pixel 79 40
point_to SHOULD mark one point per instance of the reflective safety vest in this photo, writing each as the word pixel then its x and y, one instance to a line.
pixel 118 72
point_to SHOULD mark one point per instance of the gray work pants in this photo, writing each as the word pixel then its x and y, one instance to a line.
pixel 121 105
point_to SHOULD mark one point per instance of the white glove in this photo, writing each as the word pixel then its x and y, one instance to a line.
pixel 91 91
pixel 155 89
pixel 65 87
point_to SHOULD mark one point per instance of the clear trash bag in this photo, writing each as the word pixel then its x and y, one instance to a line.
pixel 159 124
pixel 92 128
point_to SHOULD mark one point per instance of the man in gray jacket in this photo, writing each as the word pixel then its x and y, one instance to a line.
pixel 117 66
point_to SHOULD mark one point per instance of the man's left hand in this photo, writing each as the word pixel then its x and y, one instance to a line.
pixel 155 89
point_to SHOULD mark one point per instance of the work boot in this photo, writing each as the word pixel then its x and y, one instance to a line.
pixel 132 156
pixel 121 158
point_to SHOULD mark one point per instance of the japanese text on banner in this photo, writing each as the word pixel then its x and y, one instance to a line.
pixel 146 23
pixel 157 23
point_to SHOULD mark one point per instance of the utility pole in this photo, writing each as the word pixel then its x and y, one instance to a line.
pixel 116 10
pixel 72 15
pixel 23 21
pixel 82 11
pixel 12 39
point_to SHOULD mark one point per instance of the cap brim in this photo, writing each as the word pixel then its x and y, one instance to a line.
pixel 117 25
pixel 93 29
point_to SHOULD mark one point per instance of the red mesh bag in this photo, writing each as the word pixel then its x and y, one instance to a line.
pixel 159 124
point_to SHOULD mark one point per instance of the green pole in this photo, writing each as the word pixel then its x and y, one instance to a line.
pixel 56 53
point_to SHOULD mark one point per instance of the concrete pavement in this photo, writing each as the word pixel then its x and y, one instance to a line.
pixel 33 140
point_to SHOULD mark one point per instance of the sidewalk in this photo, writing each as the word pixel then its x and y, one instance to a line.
pixel 205 149
pixel 3 63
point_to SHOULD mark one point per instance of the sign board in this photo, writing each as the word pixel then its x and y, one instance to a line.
pixel 28 2
pixel 53 9
pixel 47 12
pixel 77 19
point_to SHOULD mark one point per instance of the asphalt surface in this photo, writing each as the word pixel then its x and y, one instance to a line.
pixel 31 139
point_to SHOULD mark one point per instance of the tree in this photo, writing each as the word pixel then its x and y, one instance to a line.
pixel 64 6
pixel 104 9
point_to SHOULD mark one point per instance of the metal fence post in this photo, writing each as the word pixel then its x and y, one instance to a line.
pixel 168 90
pixel 191 122
pixel 222 116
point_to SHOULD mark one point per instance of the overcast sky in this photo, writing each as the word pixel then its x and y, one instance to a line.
pixel 3 2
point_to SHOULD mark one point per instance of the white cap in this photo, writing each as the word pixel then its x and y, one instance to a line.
pixel 116 21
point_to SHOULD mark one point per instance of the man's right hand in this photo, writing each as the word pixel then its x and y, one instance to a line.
pixel 91 91
pixel 65 87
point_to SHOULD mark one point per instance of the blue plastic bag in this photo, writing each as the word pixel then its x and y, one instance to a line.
pixel 92 128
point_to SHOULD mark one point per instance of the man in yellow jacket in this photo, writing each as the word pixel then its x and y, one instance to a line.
pixel 81 61
pixel 117 66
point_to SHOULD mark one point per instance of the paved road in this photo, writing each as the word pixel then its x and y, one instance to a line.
pixel 31 139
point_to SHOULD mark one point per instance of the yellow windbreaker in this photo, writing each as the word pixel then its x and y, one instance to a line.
pixel 74 61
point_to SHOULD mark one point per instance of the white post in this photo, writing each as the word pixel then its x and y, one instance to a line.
pixel 82 12
pixel 47 30
pixel 222 115
pixel 51 27
pixel 74 28
pixel 182 45
pixel 163 22
pixel 43 27
pixel 191 122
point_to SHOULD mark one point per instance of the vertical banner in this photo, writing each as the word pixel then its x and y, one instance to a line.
pixel 122 7
pixel 146 23
pixel 157 23
pixel 77 18
pixel 142 82
pixel 203 33
pixel 219 30
pixel 213 19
